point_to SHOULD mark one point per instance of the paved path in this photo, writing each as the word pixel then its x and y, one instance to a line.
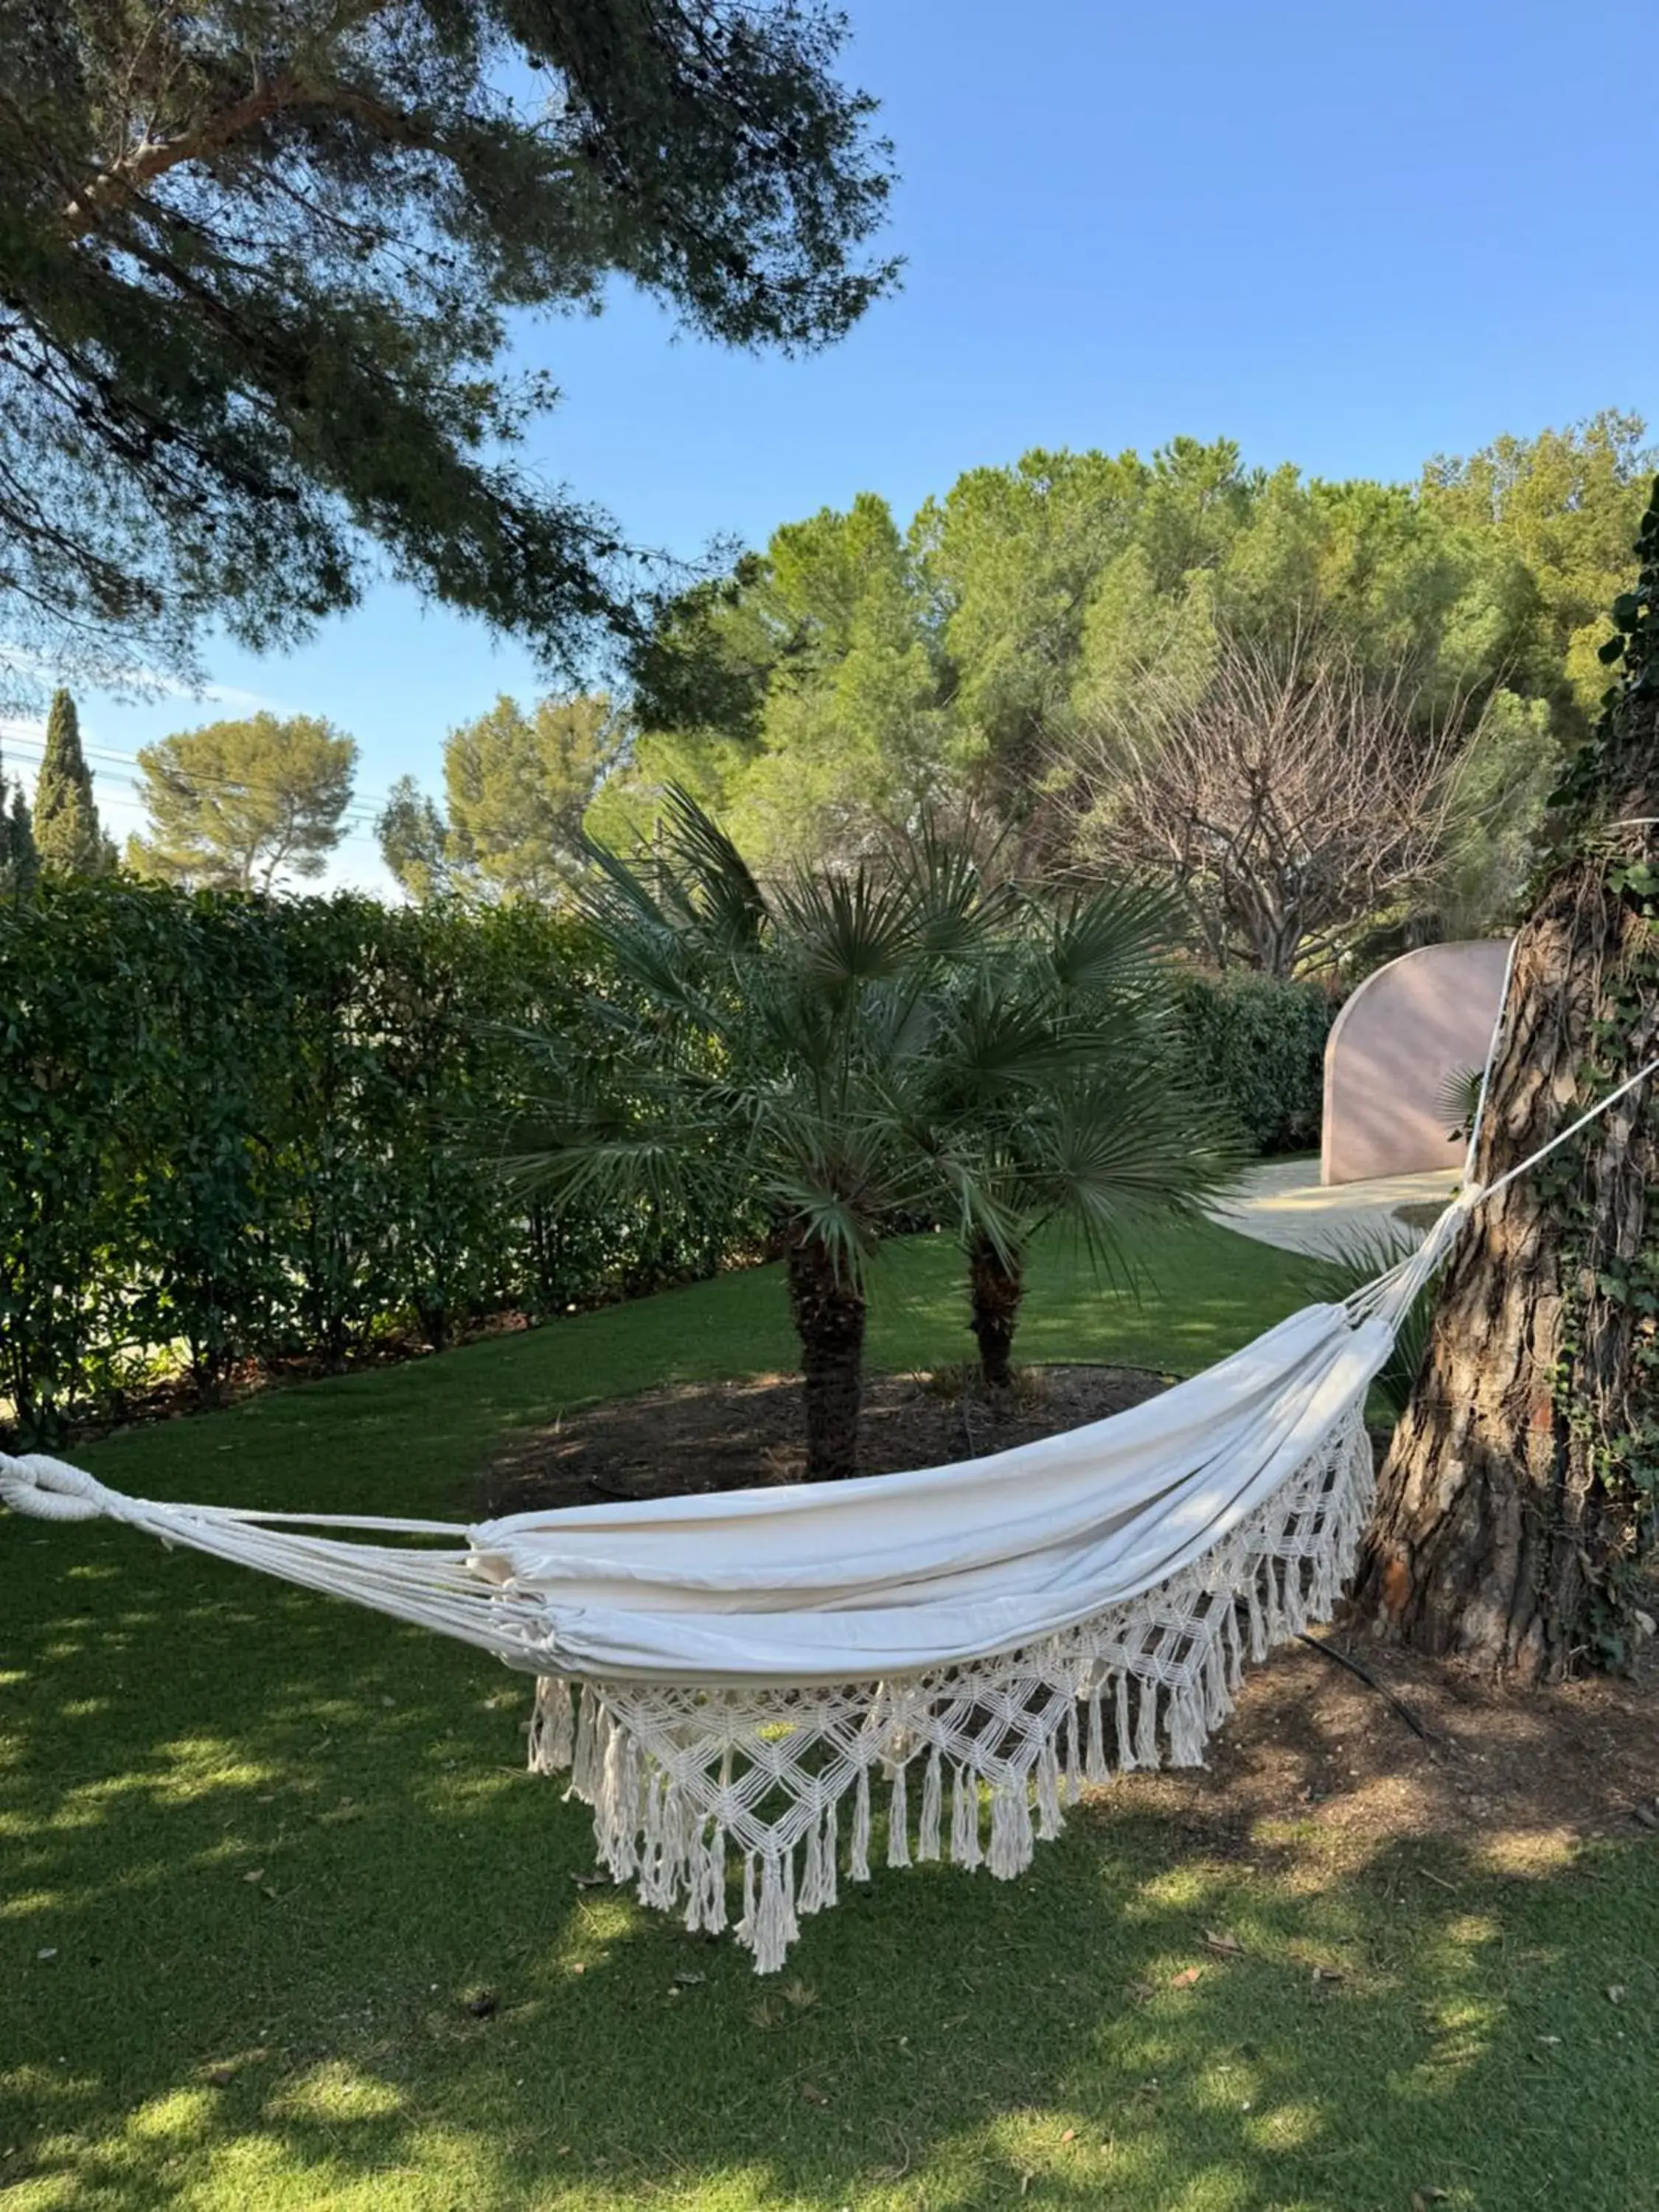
pixel 1282 1202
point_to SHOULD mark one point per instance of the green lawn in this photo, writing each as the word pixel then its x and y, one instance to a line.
pixel 314 1939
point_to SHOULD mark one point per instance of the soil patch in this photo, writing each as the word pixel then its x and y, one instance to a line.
pixel 725 1435
pixel 1315 1762
pixel 1312 1760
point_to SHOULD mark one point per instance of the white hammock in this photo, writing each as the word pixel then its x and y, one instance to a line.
pixel 721 1675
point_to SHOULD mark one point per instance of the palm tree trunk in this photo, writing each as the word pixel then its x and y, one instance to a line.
pixel 829 1315
pixel 996 1286
pixel 1510 1511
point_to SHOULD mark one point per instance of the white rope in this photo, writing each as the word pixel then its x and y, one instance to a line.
pixel 1572 1129
pixel 51 1490
pixel 1498 1028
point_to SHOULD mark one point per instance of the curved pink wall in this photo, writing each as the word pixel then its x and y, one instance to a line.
pixel 1390 1050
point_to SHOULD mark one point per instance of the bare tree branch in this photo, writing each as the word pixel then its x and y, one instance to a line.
pixel 1289 795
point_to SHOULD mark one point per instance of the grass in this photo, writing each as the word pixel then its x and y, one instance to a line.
pixel 283 1924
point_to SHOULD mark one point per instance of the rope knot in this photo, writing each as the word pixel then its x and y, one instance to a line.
pixel 51 1489
pixel 1469 1196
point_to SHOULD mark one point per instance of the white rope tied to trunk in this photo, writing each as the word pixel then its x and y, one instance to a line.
pixel 730 1679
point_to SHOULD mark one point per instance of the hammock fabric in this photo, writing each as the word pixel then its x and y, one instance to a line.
pixel 729 1678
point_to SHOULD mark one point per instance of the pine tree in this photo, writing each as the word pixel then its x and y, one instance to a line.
pixel 1518 1499
pixel 67 834
pixel 263 263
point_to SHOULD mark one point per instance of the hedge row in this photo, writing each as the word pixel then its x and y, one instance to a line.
pixel 228 1132
pixel 1257 1047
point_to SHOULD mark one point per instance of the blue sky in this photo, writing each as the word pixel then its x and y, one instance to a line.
pixel 1348 236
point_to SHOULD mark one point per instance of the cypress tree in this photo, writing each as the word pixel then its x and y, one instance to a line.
pixel 67 834
pixel 19 863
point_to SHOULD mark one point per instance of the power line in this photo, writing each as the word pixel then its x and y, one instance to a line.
pixel 362 813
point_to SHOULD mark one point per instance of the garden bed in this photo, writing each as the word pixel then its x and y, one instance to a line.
pixel 725 1436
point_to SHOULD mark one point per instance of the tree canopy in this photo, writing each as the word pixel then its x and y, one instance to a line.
pixel 516 786
pixel 236 805
pixel 256 261
pixel 829 687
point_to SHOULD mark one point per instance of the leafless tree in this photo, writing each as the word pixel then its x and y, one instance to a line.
pixel 1288 795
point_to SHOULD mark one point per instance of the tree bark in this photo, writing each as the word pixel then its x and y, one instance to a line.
pixel 829 1315
pixel 995 1288
pixel 1510 1508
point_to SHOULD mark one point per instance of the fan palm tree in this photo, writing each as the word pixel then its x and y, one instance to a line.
pixel 1054 1098
pixel 855 1049
pixel 763 1041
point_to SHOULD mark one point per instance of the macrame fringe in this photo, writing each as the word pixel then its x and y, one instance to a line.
pixel 677 1778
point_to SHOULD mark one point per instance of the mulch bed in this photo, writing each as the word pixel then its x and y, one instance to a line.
pixel 725 1435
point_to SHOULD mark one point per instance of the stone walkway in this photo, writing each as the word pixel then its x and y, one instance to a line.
pixel 1282 1202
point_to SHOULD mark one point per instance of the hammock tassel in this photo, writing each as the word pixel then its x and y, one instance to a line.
pixel 772 1926
pixel 1095 1767
pixel 964 1820
pixel 859 1863
pixel 584 1771
pixel 1049 1819
pixel 829 1872
pixel 1011 1845
pixel 933 1793
pixel 551 1726
pixel 1073 1752
pixel 810 1897
pixel 1258 1619
pixel 898 1821
pixel 705 1911
pixel 1125 1750
pixel 746 1928
pixel 654 1847
pixel 1233 1648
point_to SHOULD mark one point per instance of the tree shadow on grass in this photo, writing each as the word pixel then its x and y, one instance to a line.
pixel 314 1938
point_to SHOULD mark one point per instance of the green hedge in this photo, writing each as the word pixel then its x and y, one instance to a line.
pixel 226 1134
pixel 1257 1047
pixel 229 1132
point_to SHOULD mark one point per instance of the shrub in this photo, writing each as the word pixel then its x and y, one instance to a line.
pixel 1256 1045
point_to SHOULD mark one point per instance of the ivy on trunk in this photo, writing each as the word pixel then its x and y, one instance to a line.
pixel 1520 1488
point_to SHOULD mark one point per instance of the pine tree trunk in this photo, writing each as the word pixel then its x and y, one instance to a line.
pixel 828 1316
pixel 995 1288
pixel 1508 1517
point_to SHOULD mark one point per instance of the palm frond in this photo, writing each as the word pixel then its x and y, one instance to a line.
pixel 730 904
pixel 841 930
pixel 1116 939
pixel 1362 1257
